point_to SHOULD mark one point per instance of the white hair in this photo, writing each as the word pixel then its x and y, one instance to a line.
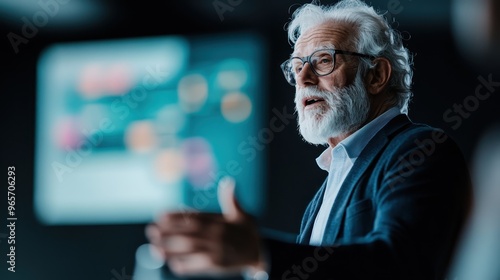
pixel 373 36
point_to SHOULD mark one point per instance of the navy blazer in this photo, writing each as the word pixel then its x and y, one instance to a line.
pixel 398 213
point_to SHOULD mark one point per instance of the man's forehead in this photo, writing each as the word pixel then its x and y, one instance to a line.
pixel 326 35
pixel 298 52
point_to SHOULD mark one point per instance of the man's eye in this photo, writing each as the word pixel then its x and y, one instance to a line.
pixel 324 59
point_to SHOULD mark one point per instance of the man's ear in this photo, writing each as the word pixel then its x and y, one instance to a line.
pixel 378 77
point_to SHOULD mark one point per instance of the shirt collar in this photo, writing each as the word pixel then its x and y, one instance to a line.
pixel 355 143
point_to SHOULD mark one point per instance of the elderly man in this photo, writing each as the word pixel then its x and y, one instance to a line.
pixel 396 195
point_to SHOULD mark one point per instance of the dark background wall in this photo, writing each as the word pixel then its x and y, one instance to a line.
pixel 444 75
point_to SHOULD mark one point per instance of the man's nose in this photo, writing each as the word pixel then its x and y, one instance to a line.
pixel 306 76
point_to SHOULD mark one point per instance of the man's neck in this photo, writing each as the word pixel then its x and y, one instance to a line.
pixel 333 141
pixel 374 113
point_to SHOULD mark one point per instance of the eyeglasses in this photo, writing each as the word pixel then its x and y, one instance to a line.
pixel 322 63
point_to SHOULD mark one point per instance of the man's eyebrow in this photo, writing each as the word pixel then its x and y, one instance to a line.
pixel 324 46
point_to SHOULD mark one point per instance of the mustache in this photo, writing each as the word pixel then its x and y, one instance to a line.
pixel 308 92
pixel 331 97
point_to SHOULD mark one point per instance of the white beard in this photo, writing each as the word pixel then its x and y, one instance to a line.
pixel 343 111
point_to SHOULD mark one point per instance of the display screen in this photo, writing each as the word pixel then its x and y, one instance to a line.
pixel 127 128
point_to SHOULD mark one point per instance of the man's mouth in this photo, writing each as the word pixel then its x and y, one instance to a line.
pixel 311 101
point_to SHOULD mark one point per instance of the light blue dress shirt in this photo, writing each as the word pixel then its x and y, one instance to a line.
pixel 338 161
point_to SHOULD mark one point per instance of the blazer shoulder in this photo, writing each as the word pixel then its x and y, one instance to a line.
pixel 420 131
pixel 420 137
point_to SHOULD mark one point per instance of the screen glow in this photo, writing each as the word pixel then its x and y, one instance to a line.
pixel 130 127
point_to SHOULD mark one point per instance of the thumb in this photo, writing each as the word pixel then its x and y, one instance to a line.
pixel 230 207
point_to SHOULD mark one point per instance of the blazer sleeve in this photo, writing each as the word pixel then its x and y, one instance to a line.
pixel 421 204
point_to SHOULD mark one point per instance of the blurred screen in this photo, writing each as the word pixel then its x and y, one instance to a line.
pixel 127 128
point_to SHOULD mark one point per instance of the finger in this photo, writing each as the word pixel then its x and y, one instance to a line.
pixel 189 265
pixel 173 223
pixel 199 264
pixel 153 233
pixel 175 245
pixel 230 207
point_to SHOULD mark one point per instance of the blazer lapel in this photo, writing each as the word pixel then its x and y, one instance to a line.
pixel 358 169
pixel 310 216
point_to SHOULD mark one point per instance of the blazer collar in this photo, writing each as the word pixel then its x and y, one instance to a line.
pixel 372 149
pixel 360 166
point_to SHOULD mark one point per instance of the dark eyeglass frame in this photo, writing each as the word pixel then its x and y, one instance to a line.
pixel 288 73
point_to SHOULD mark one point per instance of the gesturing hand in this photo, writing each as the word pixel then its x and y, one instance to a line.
pixel 196 243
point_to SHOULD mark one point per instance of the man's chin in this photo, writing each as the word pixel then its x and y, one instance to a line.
pixel 314 141
pixel 310 134
pixel 316 114
pixel 317 132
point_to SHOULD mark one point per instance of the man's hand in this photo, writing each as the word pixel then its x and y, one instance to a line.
pixel 197 243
